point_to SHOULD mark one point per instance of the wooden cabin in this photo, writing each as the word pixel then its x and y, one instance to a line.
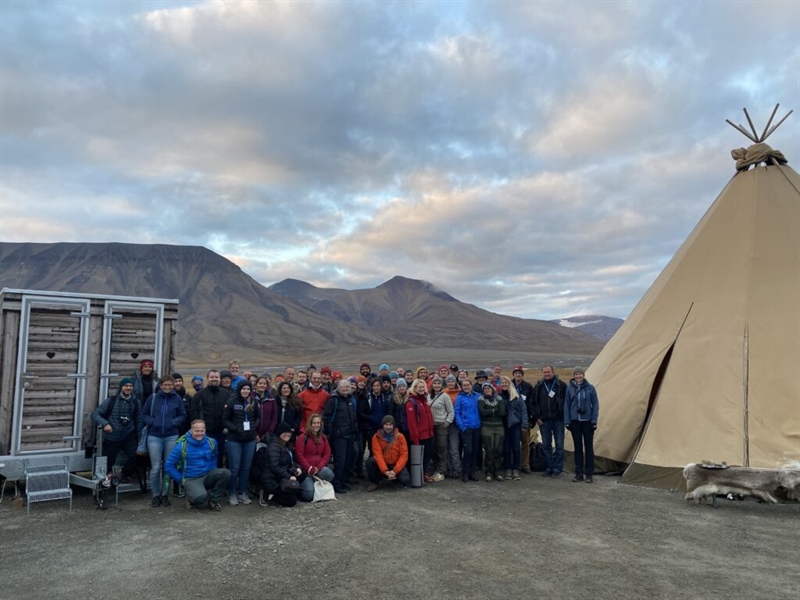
pixel 60 355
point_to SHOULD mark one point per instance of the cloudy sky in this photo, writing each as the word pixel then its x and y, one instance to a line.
pixel 539 159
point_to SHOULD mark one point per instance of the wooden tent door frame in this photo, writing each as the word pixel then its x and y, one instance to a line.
pixel 114 311
pixel 80 309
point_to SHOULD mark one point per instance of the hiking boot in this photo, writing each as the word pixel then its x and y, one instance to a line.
pixel 427 479
pixel 577 477
pixel 555 474
pixel 214 505
pixel 546 474
pixel 438 477
pixel 589 479
pixel 372 487
pixel 488 478
pixel 526 470
pixel 515 475
pixel 262 498
pixel 156 502
pixel 499 478
pixel 165 501
pixel 339 490
pixel 244 499
pixel 473 478
pixel 233 500
pixel 508 473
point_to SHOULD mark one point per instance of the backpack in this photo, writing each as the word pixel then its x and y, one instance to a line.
pixel 538 459
pixel 212 443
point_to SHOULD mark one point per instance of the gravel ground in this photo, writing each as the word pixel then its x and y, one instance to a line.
pixel 541 538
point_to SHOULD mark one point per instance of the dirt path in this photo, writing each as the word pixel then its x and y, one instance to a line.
pixel 537 538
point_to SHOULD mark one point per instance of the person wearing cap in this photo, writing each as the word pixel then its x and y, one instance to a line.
pixel 493 411
pixel 468 420
pixel 120 417
pixel 525 392
pixel 145 381
pixel 327 384
pixel 197 383
pixel 282 477
pixel 581 409
pixel 546 406
pixel 480 378
pixel 453 433
pixel 389 459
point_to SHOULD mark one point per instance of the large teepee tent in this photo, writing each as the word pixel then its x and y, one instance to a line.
pixel 707 366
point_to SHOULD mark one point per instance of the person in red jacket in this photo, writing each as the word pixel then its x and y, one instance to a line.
pixel 419 420
pixel 313 398
pixel 313 454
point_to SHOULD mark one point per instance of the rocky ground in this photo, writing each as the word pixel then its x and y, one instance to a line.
pixel 537 538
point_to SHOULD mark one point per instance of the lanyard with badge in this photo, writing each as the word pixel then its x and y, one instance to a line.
pixel 246 424
pixel 551 393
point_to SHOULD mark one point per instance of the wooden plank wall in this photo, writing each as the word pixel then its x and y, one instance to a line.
pixel 8 362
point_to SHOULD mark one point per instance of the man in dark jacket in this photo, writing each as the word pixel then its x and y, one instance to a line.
pixel 340 418
pixel 207 405
pixel 525 391
pixel 547 411
pixel 120 416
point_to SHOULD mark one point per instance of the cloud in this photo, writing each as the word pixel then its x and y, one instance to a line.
pixel 563 150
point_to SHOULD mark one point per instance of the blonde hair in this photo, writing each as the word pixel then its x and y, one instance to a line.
pixel 512 391
pixel 414 385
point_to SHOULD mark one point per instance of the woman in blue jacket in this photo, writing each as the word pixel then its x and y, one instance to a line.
pixel 581 409
pixel 163 414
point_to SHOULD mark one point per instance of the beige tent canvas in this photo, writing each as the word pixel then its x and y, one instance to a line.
pixel 707 366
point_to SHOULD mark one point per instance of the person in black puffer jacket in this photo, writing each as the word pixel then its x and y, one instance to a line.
pixel 340 417
pixel 280 469
pixel 208 405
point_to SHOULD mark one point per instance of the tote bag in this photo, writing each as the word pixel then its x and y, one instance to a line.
pixel 323 490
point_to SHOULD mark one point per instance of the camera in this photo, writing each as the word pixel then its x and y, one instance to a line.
pixel 124 420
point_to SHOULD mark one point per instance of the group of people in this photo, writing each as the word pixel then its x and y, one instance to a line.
pixel 234 431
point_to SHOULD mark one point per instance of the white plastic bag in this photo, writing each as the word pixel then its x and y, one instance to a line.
pixel 323 490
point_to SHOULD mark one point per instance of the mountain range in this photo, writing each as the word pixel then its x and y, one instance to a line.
pixel 223 312
pixel 603 328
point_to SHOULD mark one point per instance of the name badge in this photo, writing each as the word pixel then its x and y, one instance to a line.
pixel 552 394
pixel 524 397
pixel 247 425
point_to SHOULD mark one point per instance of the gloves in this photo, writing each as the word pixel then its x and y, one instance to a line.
pixel 594 425
pixel 569 427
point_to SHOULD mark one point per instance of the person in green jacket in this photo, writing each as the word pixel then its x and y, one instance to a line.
pixel 492 410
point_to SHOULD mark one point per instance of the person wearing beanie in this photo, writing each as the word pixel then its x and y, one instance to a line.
pixel 443 372
pixel 388 463
pixel 241 417
pixel 492 410
pixel 225 379
pixel 393 377
pixel 197 383
pixel 145 381
pixel 581 409
pixel 181 391
pixel 120 418
pixel 327 382
pixel 365 370
pixel 547 411
pixel 282 476
pixel 383 369
pixel 397 408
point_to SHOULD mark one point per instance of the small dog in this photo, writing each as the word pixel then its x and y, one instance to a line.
pixel 704 483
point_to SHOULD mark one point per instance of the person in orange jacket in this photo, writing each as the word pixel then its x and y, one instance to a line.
pixel 389 457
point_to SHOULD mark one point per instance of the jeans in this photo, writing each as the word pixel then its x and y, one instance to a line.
pixel 213 484
pixel 343 450
pixel 307 485
pixel 159 449
pixel 511 448
pixel 553 430
pixel 471 439
pixel 240 459
pixel 583 439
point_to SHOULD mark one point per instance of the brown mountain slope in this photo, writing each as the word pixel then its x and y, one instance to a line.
pixel 419 314
pixel 223 311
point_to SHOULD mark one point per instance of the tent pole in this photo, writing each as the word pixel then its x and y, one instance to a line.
pixel 745 381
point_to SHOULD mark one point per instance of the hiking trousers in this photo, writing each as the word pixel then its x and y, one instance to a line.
pixel 212 485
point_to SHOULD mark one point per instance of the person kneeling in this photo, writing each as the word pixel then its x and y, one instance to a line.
pixel 193 462
pixel 389 457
